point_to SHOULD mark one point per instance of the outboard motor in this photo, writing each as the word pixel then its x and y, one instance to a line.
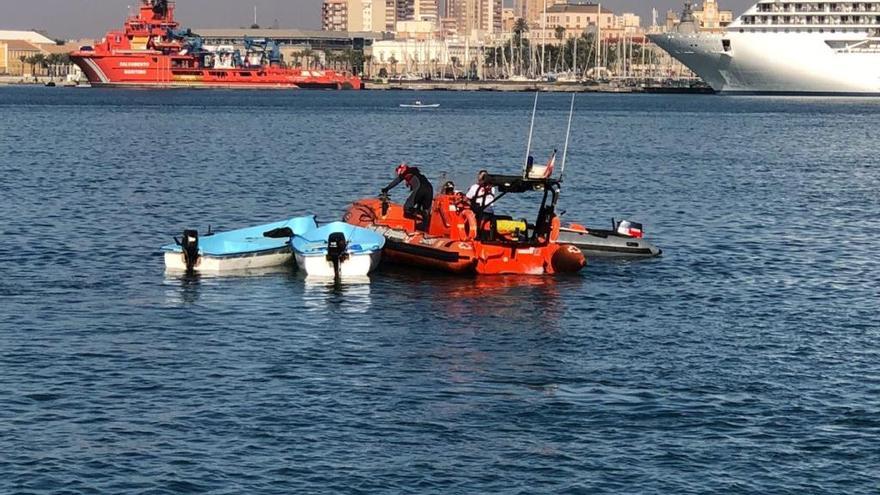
pixel 190 247
pixel 384 198
pixel 336 251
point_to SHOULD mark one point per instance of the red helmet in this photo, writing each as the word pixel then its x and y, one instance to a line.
pixel 402 169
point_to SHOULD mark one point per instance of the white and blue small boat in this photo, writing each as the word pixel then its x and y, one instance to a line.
pixel 338 250
pixel 419 104
pixel 260 246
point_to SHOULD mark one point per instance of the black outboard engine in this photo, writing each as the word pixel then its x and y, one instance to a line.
pixel 190 247
pixel 384 198
pixel 336 251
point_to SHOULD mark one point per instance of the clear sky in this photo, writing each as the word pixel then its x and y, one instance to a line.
pixel 92 18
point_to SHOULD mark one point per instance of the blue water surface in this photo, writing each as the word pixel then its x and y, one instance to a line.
pixel 745 360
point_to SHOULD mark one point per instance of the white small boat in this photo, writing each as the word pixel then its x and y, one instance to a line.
pixel 338 250
pixel 250 248
pixel 419 104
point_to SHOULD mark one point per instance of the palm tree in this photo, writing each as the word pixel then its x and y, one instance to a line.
pixel 520 26
pixel 559 31
pixel 40 59
pixel 368 66
pixel 24 60
pixel 393 62
pixel 307 54
pixel 32 61
pixel 53 60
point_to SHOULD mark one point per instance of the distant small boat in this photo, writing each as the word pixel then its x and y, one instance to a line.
pixel 419 104
pixel 252 247
pixel 338 250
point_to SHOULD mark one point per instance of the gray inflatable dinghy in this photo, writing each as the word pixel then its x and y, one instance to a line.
pixel 624 240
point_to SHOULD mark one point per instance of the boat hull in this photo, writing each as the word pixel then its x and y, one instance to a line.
pixel 217 264
pixel 153 70
pixel 776 63
pixel 357 265
pixel 607 244
pixel 451 246
pixel 259 246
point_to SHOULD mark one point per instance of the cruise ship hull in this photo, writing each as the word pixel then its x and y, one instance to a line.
pixel 777 63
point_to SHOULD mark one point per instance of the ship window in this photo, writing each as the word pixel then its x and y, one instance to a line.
pixel 726 45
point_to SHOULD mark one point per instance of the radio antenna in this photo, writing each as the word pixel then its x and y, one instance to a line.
pixel 531 129
pixel 567 134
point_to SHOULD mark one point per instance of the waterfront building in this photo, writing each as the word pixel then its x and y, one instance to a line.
pixel 508 19
pixel 355 15
pixel 712 19
pixel 411 10
pixel 574 19
pixel 416 30
pixel 533 10
pixel 474 18
pixel 372 18
pixel 708 17
pixel 334 15
pixel 415 59
pixel 11 53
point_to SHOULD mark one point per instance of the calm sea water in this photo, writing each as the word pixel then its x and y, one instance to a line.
pixel 745 360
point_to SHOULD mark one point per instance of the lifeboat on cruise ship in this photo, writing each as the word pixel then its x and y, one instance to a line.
pixel 461 240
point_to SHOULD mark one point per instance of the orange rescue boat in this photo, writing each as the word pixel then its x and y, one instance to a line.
pixel 462 240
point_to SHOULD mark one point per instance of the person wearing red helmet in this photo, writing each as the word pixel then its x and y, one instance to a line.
pixel 418 204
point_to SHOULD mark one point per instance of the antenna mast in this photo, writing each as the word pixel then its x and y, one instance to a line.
pixel 567 134
pixel 531 129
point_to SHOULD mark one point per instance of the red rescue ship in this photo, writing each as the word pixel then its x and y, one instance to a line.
pixel 151 51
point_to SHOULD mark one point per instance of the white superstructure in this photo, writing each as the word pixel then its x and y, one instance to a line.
pixel 820 47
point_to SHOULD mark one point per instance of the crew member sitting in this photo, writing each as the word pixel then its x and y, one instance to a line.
pixel 418 204
pixel 482 195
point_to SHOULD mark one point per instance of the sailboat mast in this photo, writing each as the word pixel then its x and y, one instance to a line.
pixel 543 37
pixel 598 40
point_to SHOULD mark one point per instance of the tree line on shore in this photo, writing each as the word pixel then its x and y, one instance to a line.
pixel 53 64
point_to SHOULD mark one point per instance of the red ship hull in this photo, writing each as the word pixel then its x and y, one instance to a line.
pixel 156 71
pixel 147 54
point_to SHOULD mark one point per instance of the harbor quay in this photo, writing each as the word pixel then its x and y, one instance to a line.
pixel 679 86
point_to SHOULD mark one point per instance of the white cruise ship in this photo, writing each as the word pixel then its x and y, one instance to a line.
pixel 789 47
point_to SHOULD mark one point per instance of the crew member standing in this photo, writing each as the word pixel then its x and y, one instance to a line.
pixel 418 204
pixel 482 195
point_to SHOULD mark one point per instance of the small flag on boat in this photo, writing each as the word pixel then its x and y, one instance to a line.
pixel 550 164
pixel 630 229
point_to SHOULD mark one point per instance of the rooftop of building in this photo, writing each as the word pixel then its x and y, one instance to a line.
pixel 29 36
pixel 281 34
pixel 577 8
pixel 19 46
